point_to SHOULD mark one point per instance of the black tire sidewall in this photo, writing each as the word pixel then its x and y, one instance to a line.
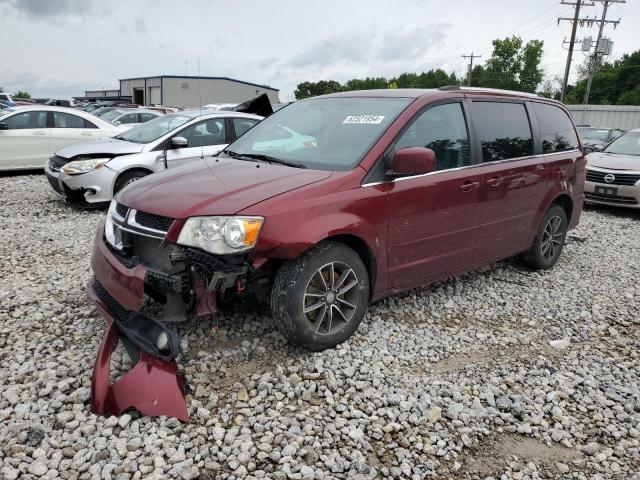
pixel 125 177
pixel 542 262
pixel 290 285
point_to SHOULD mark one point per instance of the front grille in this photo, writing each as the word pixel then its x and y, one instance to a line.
pixel 597 176
pixel 56 162
pixel 156 222
pixel 122 210
pixel 611 199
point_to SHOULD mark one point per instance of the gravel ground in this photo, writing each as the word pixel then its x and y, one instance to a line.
pixel 500 373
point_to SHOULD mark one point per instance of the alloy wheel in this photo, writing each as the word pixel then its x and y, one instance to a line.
pixel 552 237
pixel 331 298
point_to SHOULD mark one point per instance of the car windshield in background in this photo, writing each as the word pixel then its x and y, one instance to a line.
pixel 627 144
pixel 601 134
pixel 111 116
pixel 154 129
pixel 321 133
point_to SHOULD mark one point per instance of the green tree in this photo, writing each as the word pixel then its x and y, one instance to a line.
pixel 366 84
pixel 613 83
pixel 21 94
pixel 512 66
pixel 631 97
pixel 312 89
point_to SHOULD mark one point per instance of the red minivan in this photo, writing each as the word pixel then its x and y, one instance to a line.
pixel 337 201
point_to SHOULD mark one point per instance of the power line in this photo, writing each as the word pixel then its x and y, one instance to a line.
pixel 471 57
pixel 574 26
pixel 593 63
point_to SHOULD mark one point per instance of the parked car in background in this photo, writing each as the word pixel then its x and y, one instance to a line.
pixel 613 174
pixel 29 135
pixel 596 138
pixel 400 188
pixel 130 117
pixel 90 173
pixel 162 109
pixel 59 103
pixel 6 98
pixel 102 110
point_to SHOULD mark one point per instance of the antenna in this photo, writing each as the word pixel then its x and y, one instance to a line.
pixel 200 107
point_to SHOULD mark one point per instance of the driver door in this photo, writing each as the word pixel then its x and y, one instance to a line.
pixel 204 139
pixel 434 218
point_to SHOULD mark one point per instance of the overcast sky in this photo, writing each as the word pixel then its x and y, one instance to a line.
pixel 60 48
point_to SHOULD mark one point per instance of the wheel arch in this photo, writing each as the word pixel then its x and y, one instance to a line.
pixel 358 245
pixel 128 170
pixel 566 202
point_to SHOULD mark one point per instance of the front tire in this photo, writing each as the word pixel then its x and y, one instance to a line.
pixel 319 299
pixel 128 178
pixel 549 241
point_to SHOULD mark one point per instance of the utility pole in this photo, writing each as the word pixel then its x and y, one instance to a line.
pixel 593 63
pixel 470 57
pixel 574 22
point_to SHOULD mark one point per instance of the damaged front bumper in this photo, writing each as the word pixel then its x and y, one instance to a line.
pixel 153 386
pixel 121 289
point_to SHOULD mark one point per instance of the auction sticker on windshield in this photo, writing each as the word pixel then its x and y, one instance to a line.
pixel 374 119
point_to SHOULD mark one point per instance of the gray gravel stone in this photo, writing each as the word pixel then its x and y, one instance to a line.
pixel 457 380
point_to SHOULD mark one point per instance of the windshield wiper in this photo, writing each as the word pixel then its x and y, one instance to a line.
pixel 264 158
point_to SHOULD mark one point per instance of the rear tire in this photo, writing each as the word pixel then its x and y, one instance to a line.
pixel 128 178
pixel 549 241
pixel 319 299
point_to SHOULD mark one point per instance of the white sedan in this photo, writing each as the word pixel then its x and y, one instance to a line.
pixel 30 135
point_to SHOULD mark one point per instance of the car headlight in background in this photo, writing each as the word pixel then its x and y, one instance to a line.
pixel 83 166
pixel 221 235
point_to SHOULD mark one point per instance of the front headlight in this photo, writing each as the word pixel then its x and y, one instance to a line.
pixel 83 166
pixel 221 235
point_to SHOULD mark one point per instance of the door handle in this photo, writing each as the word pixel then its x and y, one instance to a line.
pixel 86 134
pixel 494 181
pixel 468 186
pixel 39 133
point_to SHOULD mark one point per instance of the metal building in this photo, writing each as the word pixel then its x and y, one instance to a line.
pixel 625 117
pixel 185 91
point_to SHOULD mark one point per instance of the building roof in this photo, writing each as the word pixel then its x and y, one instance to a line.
pixel 192 77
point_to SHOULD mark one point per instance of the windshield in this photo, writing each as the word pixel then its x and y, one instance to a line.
pixel 627 144
pixel 111 116
pixel 601 134
pixel 154 129
pixel 322 133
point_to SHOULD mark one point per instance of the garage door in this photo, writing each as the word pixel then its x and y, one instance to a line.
pixel 154 96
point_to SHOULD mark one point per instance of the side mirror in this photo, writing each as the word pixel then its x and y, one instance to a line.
pixel 117 123
pixel 179 142
pixel 4 126
pixel 598 147
pixel 414 161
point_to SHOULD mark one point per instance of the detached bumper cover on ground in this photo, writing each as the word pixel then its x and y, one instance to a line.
pixel 154 385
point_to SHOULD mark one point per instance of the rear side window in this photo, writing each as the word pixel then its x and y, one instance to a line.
pixel 66 120
pixel 88 124
pixel 442 129
pixel 503 130
pixel 241 125
pixel 556 128
pixel 26 120
pixel 145 117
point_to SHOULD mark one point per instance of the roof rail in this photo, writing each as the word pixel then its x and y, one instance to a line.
pixel 487 90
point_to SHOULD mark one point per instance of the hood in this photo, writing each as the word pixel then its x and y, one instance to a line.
pixel 210 187
pixel 109 146
pixel 614 161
